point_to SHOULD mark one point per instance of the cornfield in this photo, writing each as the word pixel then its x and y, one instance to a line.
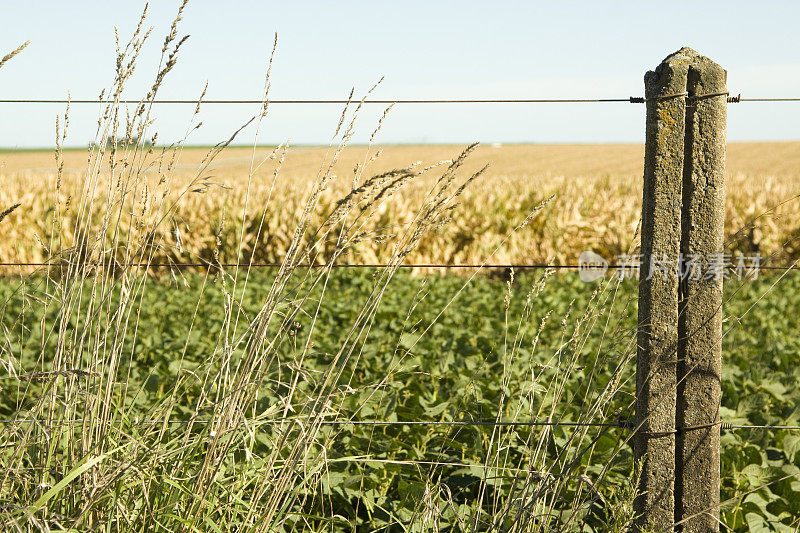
pixel 596 207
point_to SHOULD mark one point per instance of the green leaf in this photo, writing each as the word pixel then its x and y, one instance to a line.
pixel 756 523
pixel 775 388
pixel 409 340
pixel 58 487
pixel 791 445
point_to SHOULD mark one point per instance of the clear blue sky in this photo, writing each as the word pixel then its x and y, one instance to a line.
pixel 423 48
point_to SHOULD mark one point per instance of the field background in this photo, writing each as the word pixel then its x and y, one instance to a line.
pixel 597 206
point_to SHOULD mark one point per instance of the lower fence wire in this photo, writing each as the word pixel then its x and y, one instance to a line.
pixel 358 265
pixel 626 424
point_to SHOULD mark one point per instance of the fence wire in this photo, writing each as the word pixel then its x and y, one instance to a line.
pixel 226 101
pixel 521 266
pixel 624 424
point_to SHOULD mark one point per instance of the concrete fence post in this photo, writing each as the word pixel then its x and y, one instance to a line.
pixel 700 322
pixel 679 334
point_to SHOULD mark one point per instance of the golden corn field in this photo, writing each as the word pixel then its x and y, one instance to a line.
pixel 597 201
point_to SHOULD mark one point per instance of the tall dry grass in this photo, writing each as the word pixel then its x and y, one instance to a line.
pixel 79 449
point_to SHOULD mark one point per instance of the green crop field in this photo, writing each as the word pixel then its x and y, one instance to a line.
pixel 440 348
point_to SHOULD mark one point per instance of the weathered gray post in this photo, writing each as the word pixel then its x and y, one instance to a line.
pixel 679 336
pixel 700 324
pixel 656 381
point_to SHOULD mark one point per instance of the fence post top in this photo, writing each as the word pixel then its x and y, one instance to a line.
pixel 670 75
pixel 685 54
pixel 689 57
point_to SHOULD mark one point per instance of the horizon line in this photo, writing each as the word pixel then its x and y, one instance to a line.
pixel 11 149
